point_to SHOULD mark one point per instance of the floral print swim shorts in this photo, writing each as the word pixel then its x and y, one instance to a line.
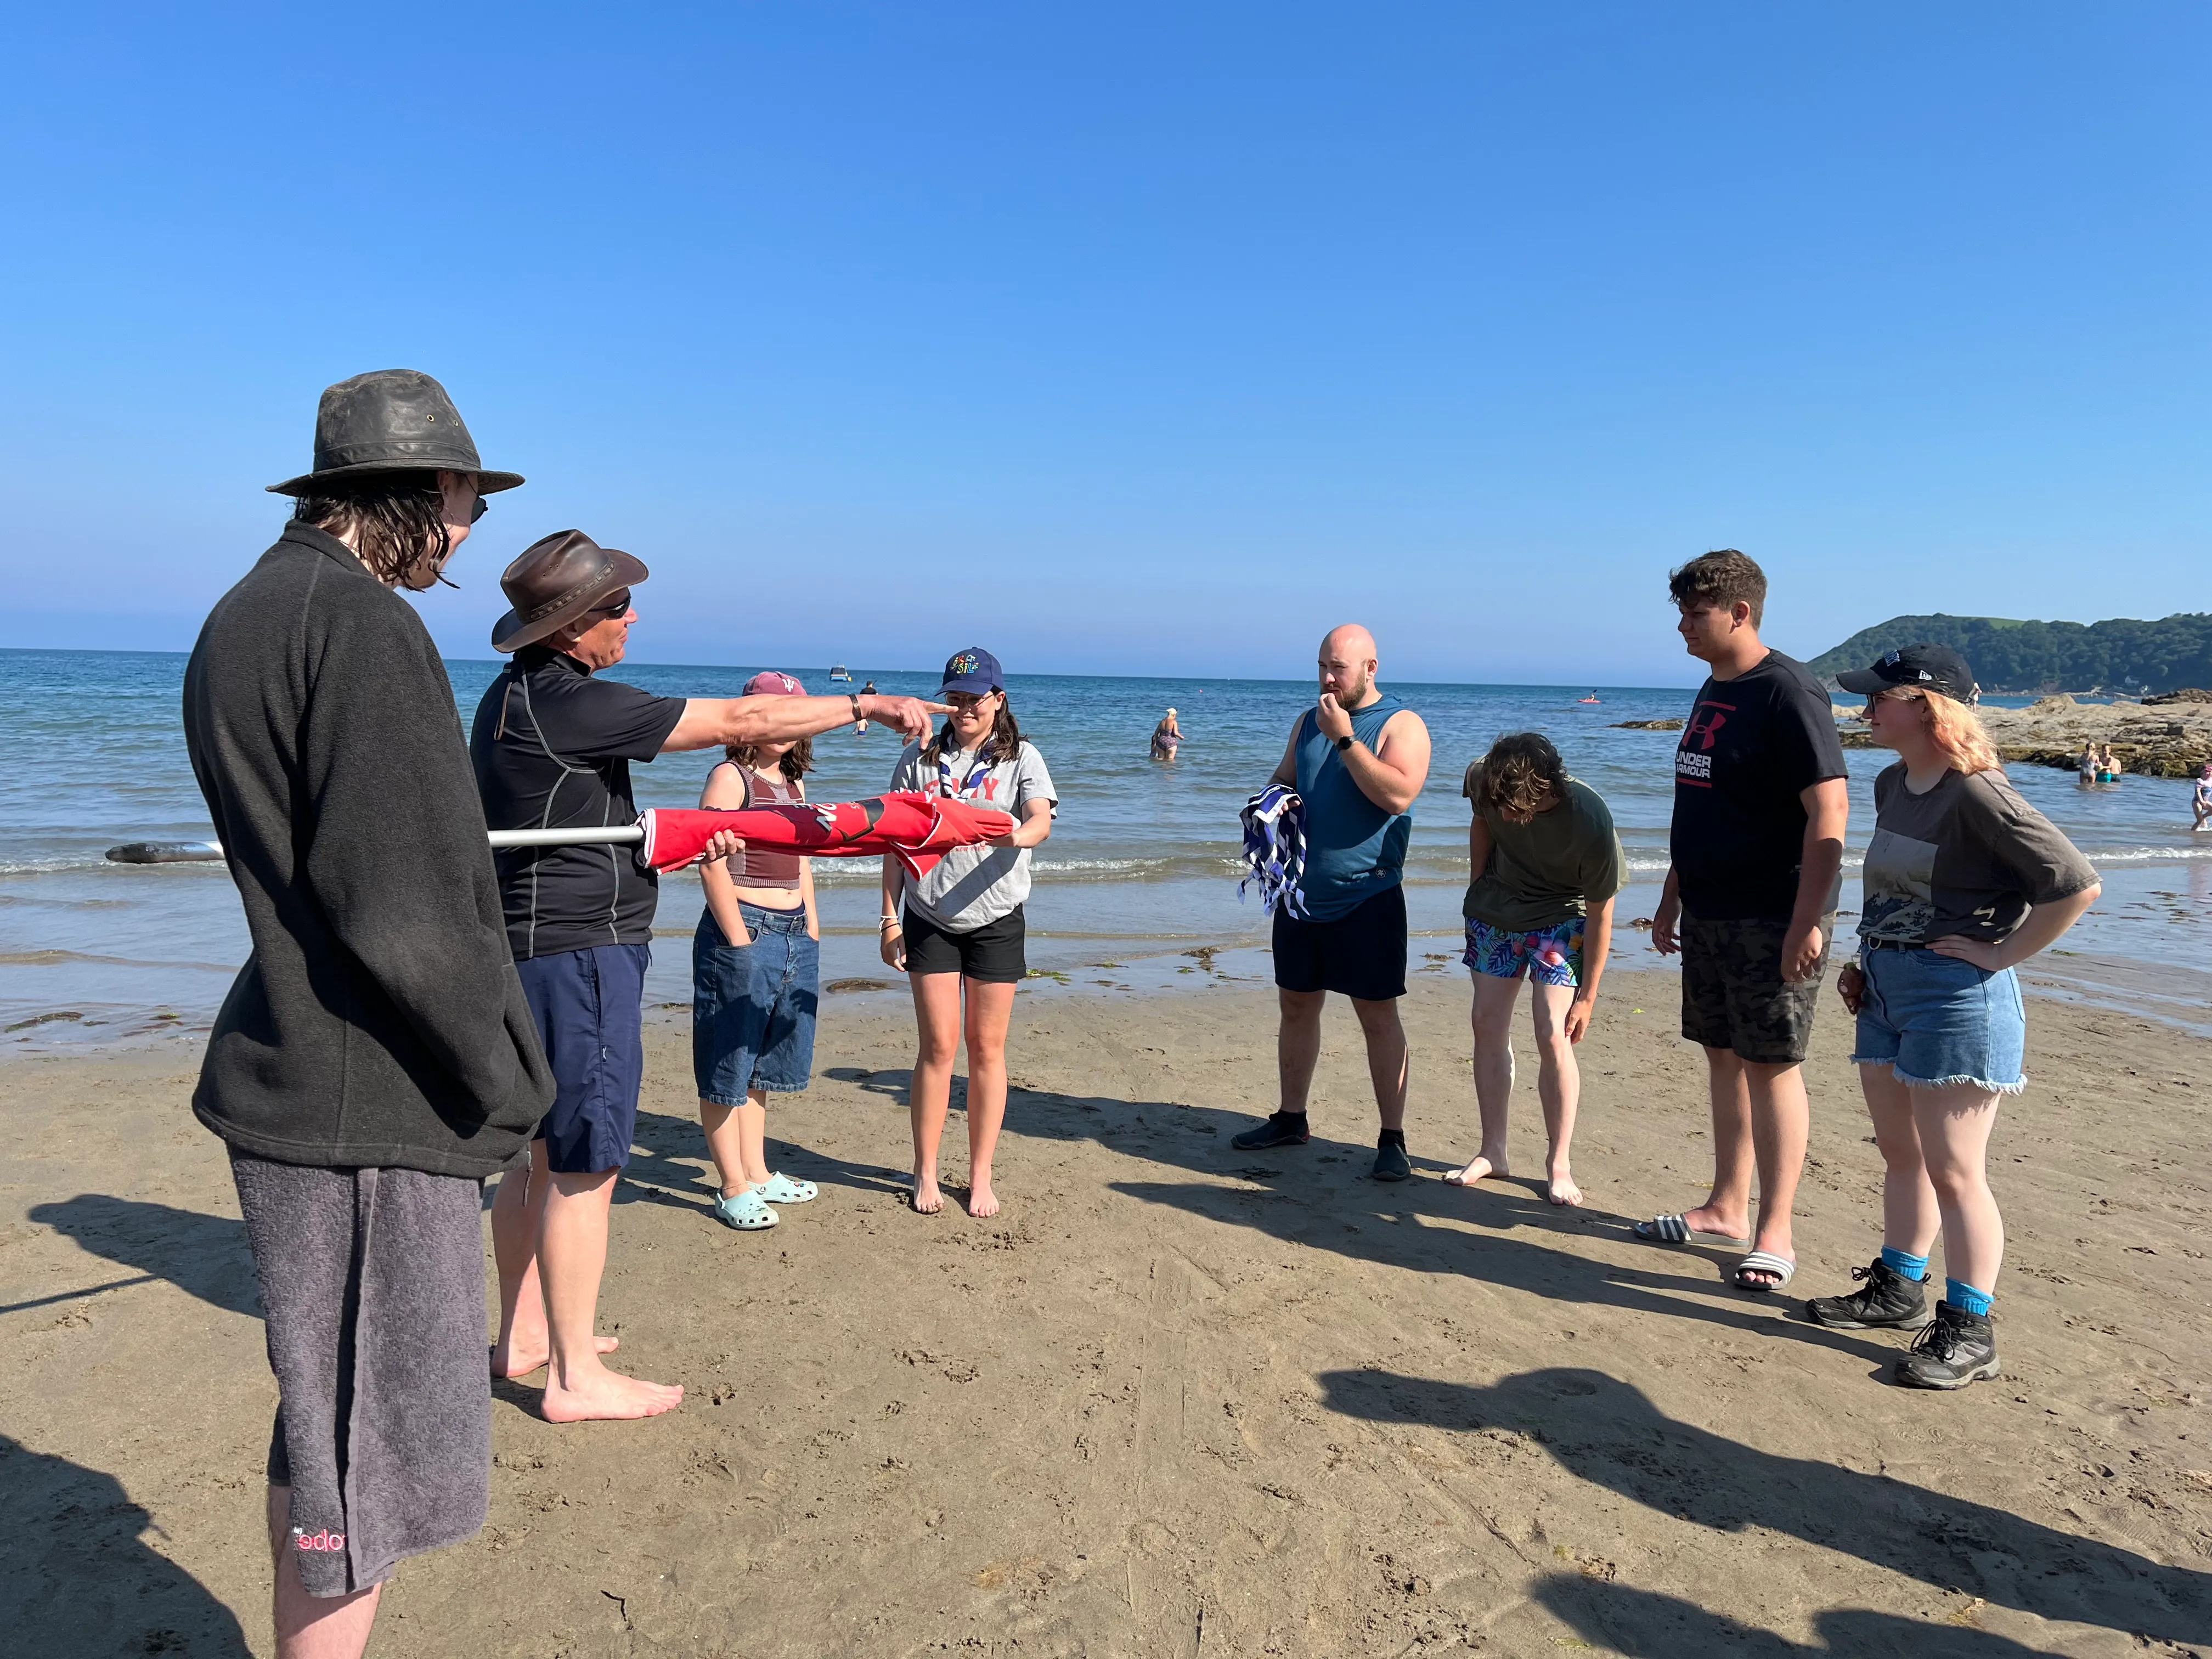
pixel 1552 956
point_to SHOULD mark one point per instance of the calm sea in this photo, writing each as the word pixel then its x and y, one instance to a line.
pixel 1139 872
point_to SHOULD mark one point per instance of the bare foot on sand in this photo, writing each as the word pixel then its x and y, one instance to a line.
pixel 982 1201
pixel 927 1199
pixel 1480 1167
pixel 600 1393
pixel 515 1360
pixel 1559 1186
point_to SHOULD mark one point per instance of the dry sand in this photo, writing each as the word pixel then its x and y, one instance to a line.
pixel 1178 1399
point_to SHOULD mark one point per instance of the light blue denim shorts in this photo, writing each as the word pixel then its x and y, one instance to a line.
pixel 1934 1019
pixel 753 1005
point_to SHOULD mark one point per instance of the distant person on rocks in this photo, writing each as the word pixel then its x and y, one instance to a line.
pixel 1167 737
pixel 1358 758
pixel 1546 865
pixel 1760 802
pixel 755 975
pixel 1964 882
pixel 959 933
pixel 552 746
pixel 375 1060
pixel 2202 798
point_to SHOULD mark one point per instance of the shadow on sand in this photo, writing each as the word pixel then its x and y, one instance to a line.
pixel 80 1579
pixel 204 1255
pixel 1644 1626
pixel 1607 1433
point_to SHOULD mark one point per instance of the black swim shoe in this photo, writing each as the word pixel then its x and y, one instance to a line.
pixel 1390 1161
pixel 1887 1299
pixel 1957 1348
pixel 1281 1129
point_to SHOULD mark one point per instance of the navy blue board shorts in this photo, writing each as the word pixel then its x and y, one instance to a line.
pixel 590 1009
pixel 1361 954
pixel 753 1005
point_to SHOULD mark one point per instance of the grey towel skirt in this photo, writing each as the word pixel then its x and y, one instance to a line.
pixel 371 1286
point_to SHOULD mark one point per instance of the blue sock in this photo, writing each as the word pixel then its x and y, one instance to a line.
pixel 1965 1298
pixel 1912 1266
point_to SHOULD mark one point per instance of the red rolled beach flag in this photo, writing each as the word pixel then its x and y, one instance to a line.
pixel 919 830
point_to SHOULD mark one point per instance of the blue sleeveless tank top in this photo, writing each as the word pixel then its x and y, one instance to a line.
pixel 1354 850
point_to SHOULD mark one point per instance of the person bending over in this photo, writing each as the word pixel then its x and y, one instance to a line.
pixel 1964 881
pixel 1358 758
pixel 957 933
pixel 1546 865
pixel 1757 849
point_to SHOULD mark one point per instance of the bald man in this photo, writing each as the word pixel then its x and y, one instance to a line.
pixel 1359 757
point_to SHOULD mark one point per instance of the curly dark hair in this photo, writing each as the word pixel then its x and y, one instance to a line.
pixel 1724 577
pixel 397 521
pixel 1521 772
pixel 798 760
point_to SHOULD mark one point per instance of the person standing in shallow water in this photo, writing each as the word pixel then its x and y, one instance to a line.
pixel 1358 758
pixel 1546 865
pixel 1964 882
pixel 959 933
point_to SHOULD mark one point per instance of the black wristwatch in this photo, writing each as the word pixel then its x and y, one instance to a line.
pixel 1346 742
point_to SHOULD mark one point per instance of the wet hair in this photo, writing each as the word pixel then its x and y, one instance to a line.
pixel 1520 773
pixel 1724 578
pixel 397 521
pixel 1003 743
pixel 797 761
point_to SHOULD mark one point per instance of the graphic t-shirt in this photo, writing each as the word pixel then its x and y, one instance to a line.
pixel 552 748
pixel 1549 870
pixel 972 887
pixel 1968 857
pixel 1753 744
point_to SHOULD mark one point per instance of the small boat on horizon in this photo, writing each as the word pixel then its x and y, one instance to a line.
pixel 839 672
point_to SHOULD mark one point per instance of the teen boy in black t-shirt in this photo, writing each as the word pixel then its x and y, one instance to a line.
pixel 1757 848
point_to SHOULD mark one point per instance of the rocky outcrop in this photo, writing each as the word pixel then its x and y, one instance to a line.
pixel 2173 741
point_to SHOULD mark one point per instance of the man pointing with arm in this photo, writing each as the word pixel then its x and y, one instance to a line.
pixel 552 745
pixel 1358 758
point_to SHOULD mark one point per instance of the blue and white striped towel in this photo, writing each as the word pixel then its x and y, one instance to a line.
pixel 1275 849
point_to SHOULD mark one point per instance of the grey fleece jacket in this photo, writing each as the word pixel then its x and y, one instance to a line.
pixel 379 1021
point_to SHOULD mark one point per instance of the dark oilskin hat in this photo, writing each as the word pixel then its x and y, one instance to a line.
pixel 394 420
pixel 555 580
pixel 1920 667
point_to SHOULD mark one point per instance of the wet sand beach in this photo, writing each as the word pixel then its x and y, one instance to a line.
pixel 1178 1399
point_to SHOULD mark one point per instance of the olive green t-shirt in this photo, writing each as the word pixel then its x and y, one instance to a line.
pixel 1549 870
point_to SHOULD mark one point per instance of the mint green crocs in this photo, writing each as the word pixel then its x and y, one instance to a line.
pixel 748 1212
pixel 782 1190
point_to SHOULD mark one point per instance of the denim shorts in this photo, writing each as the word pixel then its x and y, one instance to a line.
pixel 1934 1019
pixel 1552 956
pixel 589 1006
pixel 753 1005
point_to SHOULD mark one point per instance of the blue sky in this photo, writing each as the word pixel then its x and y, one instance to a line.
pixel 1132 337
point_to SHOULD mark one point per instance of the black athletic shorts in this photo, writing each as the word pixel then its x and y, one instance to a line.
pixel 1734 996
pixel 1361 954
pixel 992 953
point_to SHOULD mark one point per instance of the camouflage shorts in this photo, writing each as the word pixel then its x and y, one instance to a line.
pixel 1733 994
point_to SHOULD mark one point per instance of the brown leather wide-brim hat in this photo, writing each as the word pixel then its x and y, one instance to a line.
pixel 555 580
pixel 395 420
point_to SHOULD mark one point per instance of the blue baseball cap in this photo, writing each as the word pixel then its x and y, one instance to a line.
pixel 975 670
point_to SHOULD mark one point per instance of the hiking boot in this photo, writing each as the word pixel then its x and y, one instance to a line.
pixel 1281 1129
pixel 1887 1299
pixel 1957 1348
pixel 1390 1160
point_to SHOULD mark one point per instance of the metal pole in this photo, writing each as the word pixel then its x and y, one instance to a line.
pixel 200 852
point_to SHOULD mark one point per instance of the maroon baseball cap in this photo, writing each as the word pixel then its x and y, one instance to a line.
pixel 769 682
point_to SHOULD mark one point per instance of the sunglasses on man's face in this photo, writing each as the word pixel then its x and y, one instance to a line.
pixel 614 607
